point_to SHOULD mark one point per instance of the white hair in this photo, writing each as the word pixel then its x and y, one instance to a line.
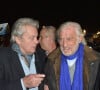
pixel 77 28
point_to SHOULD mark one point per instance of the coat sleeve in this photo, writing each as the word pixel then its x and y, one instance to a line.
pixel 50 79
pixel 97 82
pixel 6 83
pixel 8 79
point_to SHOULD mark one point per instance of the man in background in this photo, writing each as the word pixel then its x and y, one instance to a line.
pixel 47 39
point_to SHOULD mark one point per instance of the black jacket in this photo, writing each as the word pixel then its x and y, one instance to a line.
pixel 11 70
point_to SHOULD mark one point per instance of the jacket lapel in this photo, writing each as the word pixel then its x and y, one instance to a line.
pixel 16 65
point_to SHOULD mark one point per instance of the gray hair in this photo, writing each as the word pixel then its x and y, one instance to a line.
pixel 77 27
pixel 17 29
pixel 50 30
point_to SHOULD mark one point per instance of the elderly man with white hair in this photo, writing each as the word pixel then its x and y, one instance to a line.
pixel 73 66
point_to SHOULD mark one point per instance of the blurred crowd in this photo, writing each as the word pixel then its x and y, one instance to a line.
pixel 93 40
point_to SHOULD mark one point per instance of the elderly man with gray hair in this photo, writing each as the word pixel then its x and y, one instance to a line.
pixel 20 66
pixel 73 66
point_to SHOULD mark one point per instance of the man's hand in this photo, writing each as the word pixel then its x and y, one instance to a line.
pixel 33 80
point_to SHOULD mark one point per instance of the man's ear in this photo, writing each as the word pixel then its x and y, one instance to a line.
pixel 18 40
pixel 80 39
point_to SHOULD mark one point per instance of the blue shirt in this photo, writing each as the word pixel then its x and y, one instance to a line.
pixel 28 70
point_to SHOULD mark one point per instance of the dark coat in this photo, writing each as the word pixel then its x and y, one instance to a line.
pixel 90 68
pixel 97 84
pixel 11 70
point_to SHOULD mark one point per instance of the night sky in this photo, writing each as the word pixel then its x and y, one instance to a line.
pixel 53 12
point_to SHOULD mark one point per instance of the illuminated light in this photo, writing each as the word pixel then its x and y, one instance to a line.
pixel 84 32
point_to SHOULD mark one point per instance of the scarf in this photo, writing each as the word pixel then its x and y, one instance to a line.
pixel 16 48
pixel 65 82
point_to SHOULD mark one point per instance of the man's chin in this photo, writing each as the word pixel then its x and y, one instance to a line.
pixel 67 54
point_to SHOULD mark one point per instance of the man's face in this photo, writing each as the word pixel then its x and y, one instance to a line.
pixel 69 41
pixel 44 39
pixel 28 41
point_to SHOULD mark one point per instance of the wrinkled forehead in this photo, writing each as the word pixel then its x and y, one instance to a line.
pixel 67 32
pixel 43 32
pixel 30 30
pixel 69 29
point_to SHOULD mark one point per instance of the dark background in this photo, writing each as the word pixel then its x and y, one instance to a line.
pixel 53 12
